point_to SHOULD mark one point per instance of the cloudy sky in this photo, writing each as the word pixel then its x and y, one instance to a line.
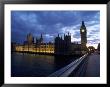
pixel 50 23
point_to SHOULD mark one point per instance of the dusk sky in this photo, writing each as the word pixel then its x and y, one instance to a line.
pixel 50 23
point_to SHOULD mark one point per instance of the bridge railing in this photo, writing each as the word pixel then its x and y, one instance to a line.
pixel 67 70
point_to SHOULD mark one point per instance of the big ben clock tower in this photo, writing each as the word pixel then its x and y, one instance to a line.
pixel 83 33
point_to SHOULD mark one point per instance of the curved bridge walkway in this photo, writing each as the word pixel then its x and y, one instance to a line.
pixel 85 66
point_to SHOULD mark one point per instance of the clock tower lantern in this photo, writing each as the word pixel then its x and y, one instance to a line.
pixel 83 33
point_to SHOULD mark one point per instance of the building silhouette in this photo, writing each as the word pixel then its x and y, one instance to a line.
pixel 39 40
pixel 65 46
pixel 83 33
pixel 98 47
pixel 61 45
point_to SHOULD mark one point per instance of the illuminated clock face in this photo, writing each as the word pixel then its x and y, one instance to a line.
pixel 82 30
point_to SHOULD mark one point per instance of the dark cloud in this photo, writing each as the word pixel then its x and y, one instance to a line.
pixel 50 23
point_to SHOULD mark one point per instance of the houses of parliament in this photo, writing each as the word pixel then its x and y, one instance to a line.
pixel 60 45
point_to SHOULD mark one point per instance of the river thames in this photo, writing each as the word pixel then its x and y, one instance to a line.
pixel 34 65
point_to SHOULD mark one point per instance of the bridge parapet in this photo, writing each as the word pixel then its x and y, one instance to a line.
pixel 67 70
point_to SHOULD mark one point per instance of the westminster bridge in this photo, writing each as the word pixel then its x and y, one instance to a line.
pixel 86 66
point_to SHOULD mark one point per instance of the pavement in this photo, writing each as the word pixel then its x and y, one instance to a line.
pixel 93 65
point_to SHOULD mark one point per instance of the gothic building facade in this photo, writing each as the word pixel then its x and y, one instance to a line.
pixel 35 45
pixel 61 45
pixel 83 33
pixel 65 46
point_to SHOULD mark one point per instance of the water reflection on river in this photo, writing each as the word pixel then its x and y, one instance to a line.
pixel 30 65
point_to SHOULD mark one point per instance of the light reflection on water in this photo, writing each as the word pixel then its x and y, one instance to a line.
pixel 29 65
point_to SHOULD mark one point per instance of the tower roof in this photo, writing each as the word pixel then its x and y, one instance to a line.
pixel 41 35
pixel 58 35
pixel 68 33
pixel 83 23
